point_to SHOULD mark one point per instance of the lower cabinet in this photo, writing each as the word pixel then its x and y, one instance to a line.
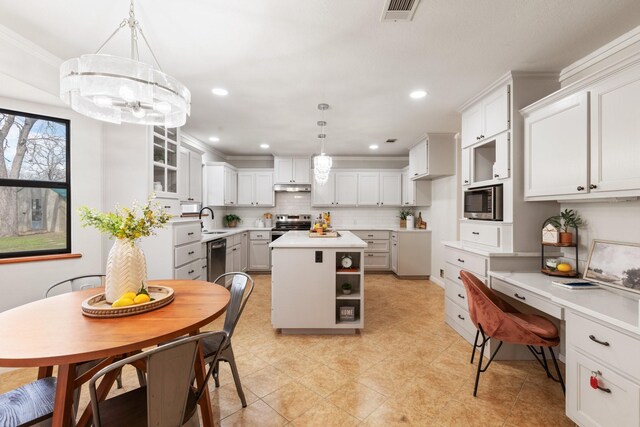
pixel 597 350
pixel 376 255
pixel 259 251
pixel 394 252
pixel 244 252
pixel 175 252
pixel 413 253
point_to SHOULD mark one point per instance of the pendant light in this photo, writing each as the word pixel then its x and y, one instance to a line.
pixel 322 163
pixel 117 89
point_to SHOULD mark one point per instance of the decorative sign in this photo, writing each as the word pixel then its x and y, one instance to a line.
pixel 550 234
pixel 347 313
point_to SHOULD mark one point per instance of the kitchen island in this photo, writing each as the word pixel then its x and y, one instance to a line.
pixel 308 274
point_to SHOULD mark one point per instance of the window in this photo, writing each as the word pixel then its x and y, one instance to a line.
pixel 35 182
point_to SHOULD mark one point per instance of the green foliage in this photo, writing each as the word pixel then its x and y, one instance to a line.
pixel 126 223
pixel 228 218
pixel 567 218
pixel 346 286
pixel 404 213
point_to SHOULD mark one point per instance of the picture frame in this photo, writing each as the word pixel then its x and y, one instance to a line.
pixel 615 264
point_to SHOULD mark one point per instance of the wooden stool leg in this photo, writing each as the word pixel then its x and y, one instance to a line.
pixel 63 406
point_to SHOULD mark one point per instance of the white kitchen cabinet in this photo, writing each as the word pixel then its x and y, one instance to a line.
pixel 390 188
pixel 380 188
pixel 503 156
pixel 615 150
pixel 255 188
pixel 259 259
pixel 165 150
pixel 377 253
pixel 486 118
pixel 556 151
pixel 412 252
pixel 222 184
pixel 228 264
pixel 368 189
pixel 292 170
pixel 346 188
pixel 394 252
pixel 189 176
pixel 487 161
pixel 433 157
pixel 415 193
pixel 175 252
pixel 324 194
pixel 465 166
pixel 244 252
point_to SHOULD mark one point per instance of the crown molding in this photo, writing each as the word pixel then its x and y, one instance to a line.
pixel 201 146
pixel 261 157
pixel 29 47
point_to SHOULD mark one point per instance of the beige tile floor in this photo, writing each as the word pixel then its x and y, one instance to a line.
pixel 406 368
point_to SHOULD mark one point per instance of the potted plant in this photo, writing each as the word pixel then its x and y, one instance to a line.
pixel 568 218
pixel 404 213
pixel 232 220
pixel 126 265
pixel 346 288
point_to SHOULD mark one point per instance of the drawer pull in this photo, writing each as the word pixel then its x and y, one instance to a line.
pixel 191 271
pixel 369 235
pixel 369 254
pixel 519 297
pixel 477 233
pixel 461 296
pixel 190 253
pixel 371 243
pixel 460 317
pixel 460 260
pixel 459 278
pixel 190 233
pixel 167 206
pixel 594 339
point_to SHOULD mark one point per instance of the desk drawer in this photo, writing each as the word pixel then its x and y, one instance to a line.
pixel 186 233
pixel 593 407
pixel 452 273
pixel 622 352
pixel 187 253
pixel 456 293
pixel 377 245
pixel 483 234
pixel 459 315
pixel 191 271
pixel 527 298
pixel 476 264
pixel 372 235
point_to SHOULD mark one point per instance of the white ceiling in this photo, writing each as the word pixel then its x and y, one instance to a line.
pixel 280 58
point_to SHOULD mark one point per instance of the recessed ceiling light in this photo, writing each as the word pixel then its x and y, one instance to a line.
pixel 214 139
pixel 219 91
pixel 373 146
pixel 264 146
pixel 417 94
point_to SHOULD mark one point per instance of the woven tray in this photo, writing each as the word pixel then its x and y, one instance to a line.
pixel 97 305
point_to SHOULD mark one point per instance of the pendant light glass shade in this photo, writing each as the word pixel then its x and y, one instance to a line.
pixel 116 89
pixel 322 163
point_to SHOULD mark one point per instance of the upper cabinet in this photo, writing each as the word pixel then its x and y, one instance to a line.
pixel 346 188
pixel 433 157
pixel 189 175
pixel 487 117
pixel 292 170
pixel 415 193
pixel 255 187
pixel 165 161
pixel 222 184
pixel 359 188
pixel 582 141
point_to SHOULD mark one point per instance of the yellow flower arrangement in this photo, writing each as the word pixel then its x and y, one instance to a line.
pixel 126 223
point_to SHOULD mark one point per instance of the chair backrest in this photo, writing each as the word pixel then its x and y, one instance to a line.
pixel 240 288
pixel 170 371
pixel 485 307
pixel 79 283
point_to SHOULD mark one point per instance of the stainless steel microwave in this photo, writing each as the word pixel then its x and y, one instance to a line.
pixel 484 203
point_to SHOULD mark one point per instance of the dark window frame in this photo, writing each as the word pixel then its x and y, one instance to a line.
pixel 66 185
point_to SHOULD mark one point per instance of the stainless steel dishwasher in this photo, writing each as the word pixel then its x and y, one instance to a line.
pixel 216 258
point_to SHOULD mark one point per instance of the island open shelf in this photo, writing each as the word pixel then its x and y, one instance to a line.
pixel 307 284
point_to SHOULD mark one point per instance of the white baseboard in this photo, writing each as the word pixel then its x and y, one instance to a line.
pixel 437 280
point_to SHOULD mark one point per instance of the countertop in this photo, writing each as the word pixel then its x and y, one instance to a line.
pixel 484 252
pixel 221 233
pixel 301 239
pixel 619 308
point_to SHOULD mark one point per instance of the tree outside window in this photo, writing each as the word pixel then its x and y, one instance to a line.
pixel 34 185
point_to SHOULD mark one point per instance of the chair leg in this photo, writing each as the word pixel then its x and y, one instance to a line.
pixel 229 357
pixel 216 370
pixel 475 345
pixel 142 379
pixel 475 387
pixel 119 380
pixel 485 339
pixel 555 363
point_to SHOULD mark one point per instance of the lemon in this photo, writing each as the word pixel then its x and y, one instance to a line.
pixel 564 267
pixel 130 295
pixel 122 302
pixel 142 298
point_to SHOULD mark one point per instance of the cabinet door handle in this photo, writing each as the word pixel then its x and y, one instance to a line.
pixel 606 390
pixel 460 317
pixel 519 297
pixel 460 260
pixel 496 175
pixel 580 188
pixel 477 233
pixel 596 340
pixel 190 253
pixel 461 296
pixel 481 136
pixel 466 181
pixel 478 138
pixel 592 186
pixel 382 203
pixel 235 249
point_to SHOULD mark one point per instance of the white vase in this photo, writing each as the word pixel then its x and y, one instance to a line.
pixel 126 269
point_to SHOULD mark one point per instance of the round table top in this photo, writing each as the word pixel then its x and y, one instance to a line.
pixel 53 331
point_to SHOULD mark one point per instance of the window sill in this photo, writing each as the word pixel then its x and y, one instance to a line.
pixel 38 258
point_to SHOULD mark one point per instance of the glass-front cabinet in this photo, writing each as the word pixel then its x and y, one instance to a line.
pixel 165 161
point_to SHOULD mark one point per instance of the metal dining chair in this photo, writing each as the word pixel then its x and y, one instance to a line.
pixel 240 287
pixel 28 405
pixel 168 399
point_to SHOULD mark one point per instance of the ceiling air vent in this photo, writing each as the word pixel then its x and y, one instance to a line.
pixel 391 140
pixel 399 10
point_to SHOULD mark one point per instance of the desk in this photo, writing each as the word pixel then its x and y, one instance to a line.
pixel 54 331
pixel 602 336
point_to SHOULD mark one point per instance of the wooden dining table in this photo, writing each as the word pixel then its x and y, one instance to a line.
pixel 54 332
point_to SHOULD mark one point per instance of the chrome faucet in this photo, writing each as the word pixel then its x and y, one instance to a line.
pixel 200 215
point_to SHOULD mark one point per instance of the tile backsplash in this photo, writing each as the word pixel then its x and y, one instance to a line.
pixel 300 203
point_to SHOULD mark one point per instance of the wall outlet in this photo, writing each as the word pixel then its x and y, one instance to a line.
pixel 442 273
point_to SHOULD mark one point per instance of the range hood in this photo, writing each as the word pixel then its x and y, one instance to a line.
pixel 292 188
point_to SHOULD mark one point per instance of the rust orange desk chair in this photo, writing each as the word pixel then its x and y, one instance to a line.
pixel 495 318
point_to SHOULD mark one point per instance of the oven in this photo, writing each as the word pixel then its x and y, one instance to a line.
pixel 275 234
pixel 484 203
pixel 287 222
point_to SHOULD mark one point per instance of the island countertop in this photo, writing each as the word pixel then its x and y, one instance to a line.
pixel 301 239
